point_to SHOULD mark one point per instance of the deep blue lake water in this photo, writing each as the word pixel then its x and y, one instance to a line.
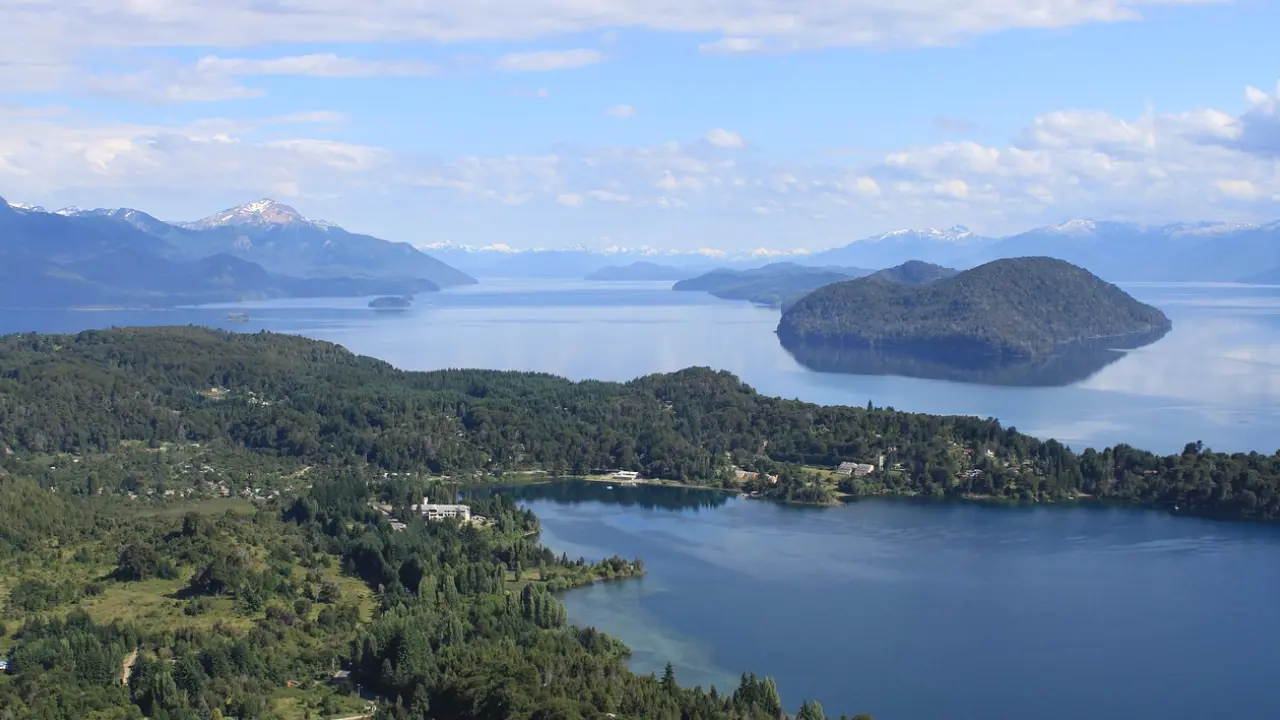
pixel 1215 378
pixel 914 610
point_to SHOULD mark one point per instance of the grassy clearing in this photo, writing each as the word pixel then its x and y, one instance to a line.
pixel 153 604
pixel 315 701
pixel 353 589
pixel 215 506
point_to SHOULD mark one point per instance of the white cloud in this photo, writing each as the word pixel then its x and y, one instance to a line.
pixel 954 188
pixel 608 196
pixel 867 186
pixel 321 117
pixel 548 60
pixel 49 34
pixel 621 111
pixel 1155 167
pixel 214 78
pixel 1242 189
pixel 732 45
pixel 725 138
pixel 316 65
pixel 180 86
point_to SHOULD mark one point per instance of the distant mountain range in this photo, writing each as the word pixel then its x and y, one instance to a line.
pixel 950 247
pixel 504 261
pixel 73 257
pixel 1116 251
pixel 1219 252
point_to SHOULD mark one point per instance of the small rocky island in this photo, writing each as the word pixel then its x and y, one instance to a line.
pixel 1030 306
pixel 391 302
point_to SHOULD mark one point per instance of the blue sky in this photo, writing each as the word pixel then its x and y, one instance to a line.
pixel 672 124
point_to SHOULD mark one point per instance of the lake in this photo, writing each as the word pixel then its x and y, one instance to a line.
pixel 1215 377
pixel 915 610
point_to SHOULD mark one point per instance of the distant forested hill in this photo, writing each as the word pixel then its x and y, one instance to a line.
pixel 915 272
pixel 640 271
pixel 773 284
pixel 315 401
pixel 1025 306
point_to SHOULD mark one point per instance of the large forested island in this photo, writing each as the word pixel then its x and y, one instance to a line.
pixel 200 524
pixel 1021 306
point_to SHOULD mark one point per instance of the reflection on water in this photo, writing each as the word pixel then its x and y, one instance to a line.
pixel 916 610
pixel 648 497
pixel 1074 363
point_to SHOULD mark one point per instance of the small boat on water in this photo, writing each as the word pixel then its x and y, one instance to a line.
pixel 608 487
pixel 238 317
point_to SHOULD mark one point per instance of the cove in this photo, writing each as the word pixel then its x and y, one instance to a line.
pixel 915 610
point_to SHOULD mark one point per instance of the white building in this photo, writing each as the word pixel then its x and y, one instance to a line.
pixel 436 511
pixel 626 475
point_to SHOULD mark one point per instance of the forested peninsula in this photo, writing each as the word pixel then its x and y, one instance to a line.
pixel 202 524
pixel 198 525
pixel 1021 306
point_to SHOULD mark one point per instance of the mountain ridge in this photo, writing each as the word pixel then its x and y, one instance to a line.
pixel 1117 250
pixel 280 239
pixel 126 257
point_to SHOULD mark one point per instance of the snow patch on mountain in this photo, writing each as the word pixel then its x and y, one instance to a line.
pixel 259 212
pixel 954 233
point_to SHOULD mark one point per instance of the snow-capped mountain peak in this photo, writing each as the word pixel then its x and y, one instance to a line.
pixel 259 212
pixel 1074 227
pixel 951 234
pixel 23 206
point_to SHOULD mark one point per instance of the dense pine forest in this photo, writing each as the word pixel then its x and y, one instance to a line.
pixel 197 524
pixel 1018 306
pixel 291 398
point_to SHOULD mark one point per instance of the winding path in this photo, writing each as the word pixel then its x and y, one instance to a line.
pixel 126 668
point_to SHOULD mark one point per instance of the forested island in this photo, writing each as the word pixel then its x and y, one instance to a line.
pixel 776 284
pixel 391 302
pixel 1023 306
pixel 640 270
pixel 915 272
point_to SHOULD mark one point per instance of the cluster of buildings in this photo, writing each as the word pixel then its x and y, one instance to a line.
pixel 432 512
pixel 750 475
pixel 855 469
pixel 438 511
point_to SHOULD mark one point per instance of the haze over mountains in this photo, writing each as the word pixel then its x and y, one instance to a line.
pixel 1116 251
pixel 73 257
pixel 265 249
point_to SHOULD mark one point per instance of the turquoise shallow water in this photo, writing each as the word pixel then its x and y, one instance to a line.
pixel 919 610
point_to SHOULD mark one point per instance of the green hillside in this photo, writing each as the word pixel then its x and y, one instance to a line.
pixel 1022 306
